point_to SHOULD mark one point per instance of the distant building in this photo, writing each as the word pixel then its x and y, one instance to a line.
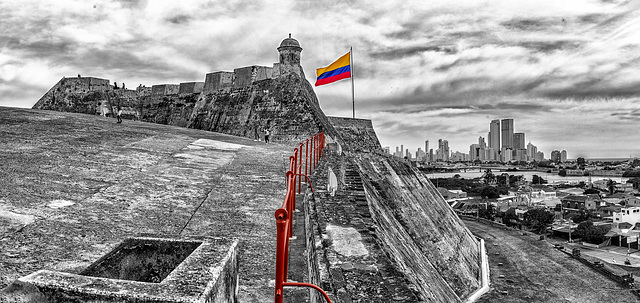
pixel 459 157
pixel 555 156
pixel 442 154
pixel 580 202
pixel 540 156
pixel 494 135
pixel 518 141
pixel 507 133
pixel 628 214
pixel 532 150
pixel 563 156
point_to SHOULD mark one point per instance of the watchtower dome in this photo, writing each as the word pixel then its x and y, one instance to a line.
pixel 289 51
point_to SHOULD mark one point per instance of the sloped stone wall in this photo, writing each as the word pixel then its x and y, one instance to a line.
pixel 419 229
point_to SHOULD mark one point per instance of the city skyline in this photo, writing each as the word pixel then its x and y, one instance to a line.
pixel 566 71
pixel 495 150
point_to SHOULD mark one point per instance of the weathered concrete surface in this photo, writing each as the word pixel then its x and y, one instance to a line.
pixel 131 179
pixel 420 230
pixel 357 134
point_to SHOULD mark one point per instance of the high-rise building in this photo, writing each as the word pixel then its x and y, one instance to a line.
pixel 481 142
pixel 431 156
pixel 532 150
pixel 426 146
pixel 555 156
pixel 494 134
pixel 494 137
pixel 539 156
pixel 442 154
pixel 518 141
pixel 507 133
pixel 563 156
pixel 420 155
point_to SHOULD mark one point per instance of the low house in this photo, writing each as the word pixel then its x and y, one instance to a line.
pixel 580 202
pixel 606 212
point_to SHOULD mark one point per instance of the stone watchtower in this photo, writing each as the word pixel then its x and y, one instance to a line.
pixel 290 50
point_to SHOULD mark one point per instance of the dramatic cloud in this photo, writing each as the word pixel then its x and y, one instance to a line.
pixel 565 71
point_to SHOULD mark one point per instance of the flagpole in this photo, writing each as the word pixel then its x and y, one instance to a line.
pixel 353 94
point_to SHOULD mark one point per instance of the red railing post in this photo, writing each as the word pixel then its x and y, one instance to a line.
pixel 306 158
pixel 295 169
pixel 299 167
pixel 281 226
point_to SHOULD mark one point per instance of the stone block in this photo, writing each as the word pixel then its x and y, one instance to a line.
pixel 143 270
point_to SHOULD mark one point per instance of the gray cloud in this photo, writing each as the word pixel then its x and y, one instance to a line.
pixel 550 46
pixel 179 19
pixel 397 53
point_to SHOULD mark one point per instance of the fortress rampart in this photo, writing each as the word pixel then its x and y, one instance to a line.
pixel 410 237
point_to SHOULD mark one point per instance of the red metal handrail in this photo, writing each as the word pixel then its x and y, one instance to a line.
pixel 284 217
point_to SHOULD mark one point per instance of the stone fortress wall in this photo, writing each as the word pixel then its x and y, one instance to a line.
pixel 430 249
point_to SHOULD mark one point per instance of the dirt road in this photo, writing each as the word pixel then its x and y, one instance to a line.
pixel 524 269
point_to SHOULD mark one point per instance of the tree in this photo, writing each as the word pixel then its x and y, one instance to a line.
pixel 538 219
pixel 635 181
pixel 490 192
pixel 581 161
pixel 487 213
pixel 489 177
pixel 510 218
pixel 611 185
pixel 582 217
pixel 562 173
pixel 590 233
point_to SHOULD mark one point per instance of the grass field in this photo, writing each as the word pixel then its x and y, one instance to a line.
pixel 525 269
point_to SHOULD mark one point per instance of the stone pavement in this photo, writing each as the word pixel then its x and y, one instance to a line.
pixel 74 185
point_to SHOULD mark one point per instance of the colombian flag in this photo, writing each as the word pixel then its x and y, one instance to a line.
pixel 338 70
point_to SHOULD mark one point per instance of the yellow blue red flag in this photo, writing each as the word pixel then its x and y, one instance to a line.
pixel 338 70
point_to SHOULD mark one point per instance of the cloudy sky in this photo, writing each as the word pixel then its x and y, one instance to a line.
pixel 567 72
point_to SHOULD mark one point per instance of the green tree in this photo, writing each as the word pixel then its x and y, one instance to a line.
pixel 487 213
pixel 635 181
pixel 582 216
pixel 581 161
pixel 562 173
pixel 510 218
pixel 490 192
pixel 590 233
pixel 611 185
pixel 489 177
pixel 538 219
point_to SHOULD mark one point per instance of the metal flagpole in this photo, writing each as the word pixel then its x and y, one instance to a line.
pixel 353 94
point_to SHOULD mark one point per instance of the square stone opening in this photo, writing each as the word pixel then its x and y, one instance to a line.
pixel 142 260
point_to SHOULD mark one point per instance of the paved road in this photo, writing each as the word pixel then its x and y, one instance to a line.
pixel 524 269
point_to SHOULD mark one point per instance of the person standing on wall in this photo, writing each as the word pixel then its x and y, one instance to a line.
pixel 119 114
pixel 266 135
